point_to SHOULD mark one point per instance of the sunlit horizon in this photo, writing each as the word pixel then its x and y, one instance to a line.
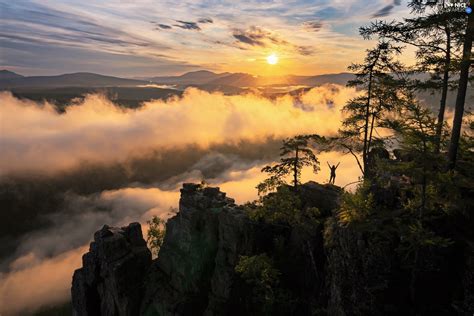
pixel 135 39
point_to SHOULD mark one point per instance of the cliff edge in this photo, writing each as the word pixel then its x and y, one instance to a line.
pixel 195 271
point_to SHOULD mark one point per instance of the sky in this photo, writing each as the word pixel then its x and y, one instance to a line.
pixel 135 38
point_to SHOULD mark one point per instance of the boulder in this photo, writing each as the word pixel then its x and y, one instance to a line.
pixel 323 196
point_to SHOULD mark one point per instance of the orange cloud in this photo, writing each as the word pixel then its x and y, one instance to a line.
pixel 44 283
pixel 36 138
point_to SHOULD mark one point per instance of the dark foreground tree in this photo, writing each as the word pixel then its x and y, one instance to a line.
pixel 462 89
pixel 435 32
pixel 425 204
pixel 380 78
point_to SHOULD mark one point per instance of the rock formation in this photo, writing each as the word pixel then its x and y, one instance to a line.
pixel 330 269
pixel 111 279
pixel 195 271
pixel 198 256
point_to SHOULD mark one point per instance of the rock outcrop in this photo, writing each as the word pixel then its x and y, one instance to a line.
pixel 198 256
pixel 324 197
pixel 111 279
pixel 195 271
pixel 325 268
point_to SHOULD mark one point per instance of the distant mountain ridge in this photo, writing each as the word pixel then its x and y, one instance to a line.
pixel 193 77
pixel 6 74
pixel 202 78
pixel 242 80
pixel 78 79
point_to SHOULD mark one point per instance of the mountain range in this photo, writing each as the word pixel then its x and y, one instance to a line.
pixel 10 80
pixel 242 80
pixel 208 79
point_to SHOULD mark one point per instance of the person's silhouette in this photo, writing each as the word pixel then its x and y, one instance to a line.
pixel 333 168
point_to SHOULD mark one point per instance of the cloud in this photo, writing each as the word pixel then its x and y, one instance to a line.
pixel 65 28
pixel 112 207
pixel 256 36
pixel 47 58
pixel 95 130
pixel 386 10
pixel 188 25
pixel 80 40
pixel 312 26
pixel 45 282
pixel 164 26
pixel 244 38
pixel 383 12
pixel 205 20
pixel 305 50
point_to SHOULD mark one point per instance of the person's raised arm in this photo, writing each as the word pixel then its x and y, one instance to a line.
pixel 328 164
pixel 338 164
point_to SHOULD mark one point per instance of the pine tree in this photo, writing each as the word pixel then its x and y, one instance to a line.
pixel 436 36
pixel 461 96
pixel 379 77
pixel 295 154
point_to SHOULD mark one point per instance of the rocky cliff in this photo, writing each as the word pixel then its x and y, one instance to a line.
pixel 196 262
pixel 330 269
pixel 111 279
pixel 195 272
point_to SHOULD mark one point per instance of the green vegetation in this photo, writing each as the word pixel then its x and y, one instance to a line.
pixel 283 208
pixel 258 271
pixel 156 234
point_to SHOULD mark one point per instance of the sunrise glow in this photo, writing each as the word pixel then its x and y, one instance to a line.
pixel 272 59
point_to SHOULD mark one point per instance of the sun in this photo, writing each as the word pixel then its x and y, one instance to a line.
pixel 272 59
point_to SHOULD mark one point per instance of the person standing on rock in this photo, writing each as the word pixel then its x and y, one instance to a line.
pixel 333 168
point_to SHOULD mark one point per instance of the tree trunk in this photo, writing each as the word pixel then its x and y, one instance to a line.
pixel 461 96
pixel 372 123
pixel 444 94
pixel 295 171
pixel 367 116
